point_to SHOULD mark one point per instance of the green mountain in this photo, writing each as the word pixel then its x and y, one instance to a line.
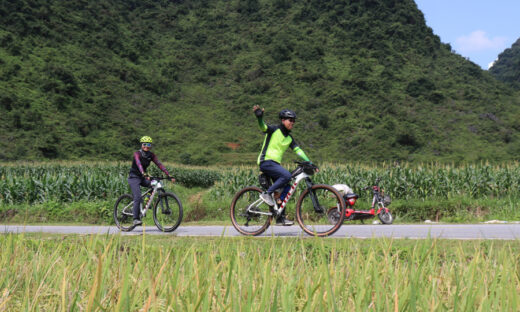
pixel 507 66
pixel 367 78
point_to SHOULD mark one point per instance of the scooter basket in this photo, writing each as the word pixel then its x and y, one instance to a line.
pixel 387 200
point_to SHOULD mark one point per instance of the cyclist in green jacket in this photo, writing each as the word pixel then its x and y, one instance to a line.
pixel 277 140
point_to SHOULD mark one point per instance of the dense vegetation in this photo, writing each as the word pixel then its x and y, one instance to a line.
pixel 507 66
pixel 152 273
pixel 86 193
pixel 368 79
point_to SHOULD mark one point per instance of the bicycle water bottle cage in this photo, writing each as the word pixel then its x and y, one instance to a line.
pixel 265 181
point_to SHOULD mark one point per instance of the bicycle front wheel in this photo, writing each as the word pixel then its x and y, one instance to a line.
pixel 167 212
pixel 314 208
pixel 123 213
pixel 250 215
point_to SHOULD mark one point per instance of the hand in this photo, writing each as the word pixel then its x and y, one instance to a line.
pixel 316 169
pixel 173 180
pixel 259 112
pixel 146 176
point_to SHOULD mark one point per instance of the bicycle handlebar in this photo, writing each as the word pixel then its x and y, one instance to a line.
pixel 378 179
pixel 307 167
pixel 161 178
pixel 306 164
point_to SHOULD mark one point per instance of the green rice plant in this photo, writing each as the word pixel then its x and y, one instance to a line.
pixel 98 273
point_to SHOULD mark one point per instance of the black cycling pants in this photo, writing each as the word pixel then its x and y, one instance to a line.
pixel 134 183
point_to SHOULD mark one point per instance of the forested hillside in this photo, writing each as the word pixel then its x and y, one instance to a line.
pixel 507 66
pixel 368 79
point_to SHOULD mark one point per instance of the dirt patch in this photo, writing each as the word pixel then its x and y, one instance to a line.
pixel 197 212
pixel 233 146
pixel 7 214
pixel 478 211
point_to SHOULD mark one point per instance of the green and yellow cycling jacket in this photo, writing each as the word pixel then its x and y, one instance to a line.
pixel 277 140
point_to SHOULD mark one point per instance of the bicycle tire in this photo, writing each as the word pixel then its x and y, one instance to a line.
pixel 317 223
pixel 167 212
pixel 239 214
pixel 123 215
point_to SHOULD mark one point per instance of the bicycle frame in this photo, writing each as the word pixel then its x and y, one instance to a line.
pixel 278 210
pixel 156 185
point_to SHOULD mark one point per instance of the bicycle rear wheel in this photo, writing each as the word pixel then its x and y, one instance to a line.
pixel 313 210
pixel 249 214
pixel 123 215
pixel 167 212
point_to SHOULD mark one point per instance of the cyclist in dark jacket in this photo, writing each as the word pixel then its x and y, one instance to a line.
pixel 277 140
pixel 138 176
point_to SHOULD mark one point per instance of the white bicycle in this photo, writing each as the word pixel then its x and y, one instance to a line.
pixel 250 215
pixel 167 208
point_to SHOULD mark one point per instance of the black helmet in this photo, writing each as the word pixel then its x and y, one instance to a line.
pixel 287 113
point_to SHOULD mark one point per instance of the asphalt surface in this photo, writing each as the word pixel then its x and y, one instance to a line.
pixel 413 231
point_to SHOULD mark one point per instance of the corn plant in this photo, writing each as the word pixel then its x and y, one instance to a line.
pixel 69 183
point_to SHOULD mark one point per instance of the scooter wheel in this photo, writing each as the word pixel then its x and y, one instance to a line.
pixel 333 215
pixel 385 217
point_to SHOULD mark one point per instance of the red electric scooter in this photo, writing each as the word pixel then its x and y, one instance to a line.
pixel 380 201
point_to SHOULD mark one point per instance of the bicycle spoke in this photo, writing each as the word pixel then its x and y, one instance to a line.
pixel 123 214
pixel 313 210
pixel 167 212
pixel 249 214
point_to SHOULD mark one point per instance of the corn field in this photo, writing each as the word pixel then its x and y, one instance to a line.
pixel 402 182
pixel 73 182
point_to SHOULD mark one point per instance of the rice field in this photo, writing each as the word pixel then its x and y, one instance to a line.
pixel 115 273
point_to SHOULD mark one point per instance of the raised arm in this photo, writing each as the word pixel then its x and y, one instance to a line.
pixel 259 113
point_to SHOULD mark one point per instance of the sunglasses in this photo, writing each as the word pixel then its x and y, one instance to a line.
pixel 291 120
pixel 147 144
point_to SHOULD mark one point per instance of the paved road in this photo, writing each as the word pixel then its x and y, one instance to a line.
pixel 448 231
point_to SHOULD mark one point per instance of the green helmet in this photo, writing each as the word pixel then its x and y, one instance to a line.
pixel 146 139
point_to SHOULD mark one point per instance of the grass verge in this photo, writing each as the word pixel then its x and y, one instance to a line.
pixel 201 208
pixel 74 272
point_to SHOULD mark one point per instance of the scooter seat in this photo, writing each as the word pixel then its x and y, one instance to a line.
pixel 351 195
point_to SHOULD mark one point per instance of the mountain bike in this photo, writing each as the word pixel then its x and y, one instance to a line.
pixel 167 208
pixel 250 215
pixel 380 201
